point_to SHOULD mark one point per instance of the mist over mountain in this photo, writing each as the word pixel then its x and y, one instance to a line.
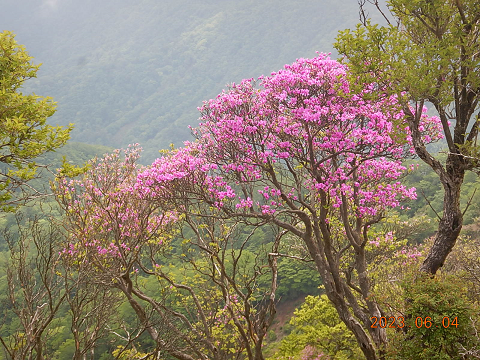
pixel 136 71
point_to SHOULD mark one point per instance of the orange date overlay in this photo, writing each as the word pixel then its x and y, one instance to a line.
pixel 399 322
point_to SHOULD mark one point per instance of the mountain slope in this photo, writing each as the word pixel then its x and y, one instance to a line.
pixel 127 72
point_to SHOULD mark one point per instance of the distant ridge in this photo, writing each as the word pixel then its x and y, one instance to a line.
pixel 127 72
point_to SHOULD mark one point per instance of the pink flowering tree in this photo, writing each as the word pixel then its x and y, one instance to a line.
pixel 302 151
pixel 205 303
pixel 111 230
pixel 108 225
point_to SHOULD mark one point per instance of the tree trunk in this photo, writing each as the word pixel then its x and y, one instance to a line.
pixel 366 345
pixel 452 219
pixel 335 292
pixel 39 348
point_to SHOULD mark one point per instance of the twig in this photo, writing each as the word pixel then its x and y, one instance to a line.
pixel 469 202
pixel 291 257
pixel 429 204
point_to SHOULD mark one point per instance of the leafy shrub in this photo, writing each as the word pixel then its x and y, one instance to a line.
pixel 318 333
pixel 439 319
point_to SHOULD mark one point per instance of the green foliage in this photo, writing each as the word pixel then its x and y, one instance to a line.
pixel 24 132
pixel 430 197
pixel 428 46
pixel 66 350
pixel 121 353
pixel 295 278
pixel 446 329
pixel 70 170
pixel 317 325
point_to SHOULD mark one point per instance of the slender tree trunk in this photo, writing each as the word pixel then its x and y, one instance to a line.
pixel 452 219
pixel 39 348
pixel 366 345
pixel 335 292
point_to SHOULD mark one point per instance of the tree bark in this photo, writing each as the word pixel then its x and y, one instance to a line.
pixel 368 347
pixel 451 223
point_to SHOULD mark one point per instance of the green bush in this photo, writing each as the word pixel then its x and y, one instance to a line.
pixel 439 319
pixel 317 329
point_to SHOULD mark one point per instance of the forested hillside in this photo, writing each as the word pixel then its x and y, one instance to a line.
pixel 136 71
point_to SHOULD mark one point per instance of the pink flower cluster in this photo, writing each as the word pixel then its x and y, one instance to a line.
pixel 300 131
pixel 409 254
pixel 108 216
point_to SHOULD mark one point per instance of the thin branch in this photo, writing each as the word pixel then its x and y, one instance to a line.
pixel 429 204
pixel 469 202
pixel 304 259
pixel 363 15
